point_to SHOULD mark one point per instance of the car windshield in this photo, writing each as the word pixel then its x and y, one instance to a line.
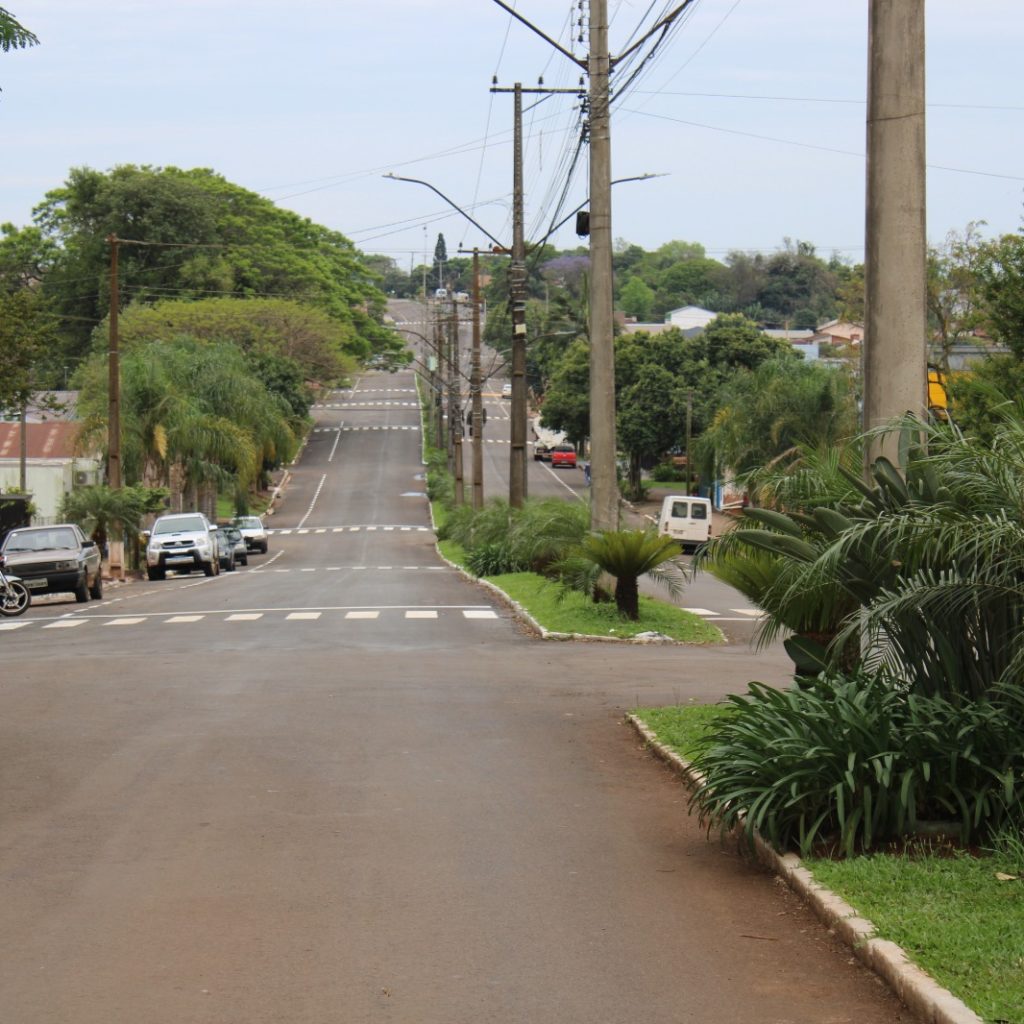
pixel 40 540
pixel 250 523
pixel 179 524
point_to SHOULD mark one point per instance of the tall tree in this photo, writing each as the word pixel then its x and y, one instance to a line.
pixel 26 338
pixel 1001 269
pixel 440 258
pixel 953 291
pixel 203 235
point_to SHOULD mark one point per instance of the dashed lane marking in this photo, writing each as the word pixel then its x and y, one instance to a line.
pixel 285 531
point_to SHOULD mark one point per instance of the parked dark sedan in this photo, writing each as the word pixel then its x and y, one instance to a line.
pixel 55 560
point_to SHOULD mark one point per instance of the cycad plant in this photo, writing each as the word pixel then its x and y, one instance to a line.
pixel 627 555
pixel 922 570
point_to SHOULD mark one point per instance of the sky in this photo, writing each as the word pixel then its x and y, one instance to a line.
pixel 751 113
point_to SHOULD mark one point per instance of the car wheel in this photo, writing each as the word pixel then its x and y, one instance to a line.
pixel 96 590
pixel 155 574
pixel 264 548
pixel 230 567
pixel 245 559
pixel 82 590
pixel 211 568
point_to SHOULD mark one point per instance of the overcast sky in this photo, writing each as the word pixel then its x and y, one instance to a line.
pixel 753 111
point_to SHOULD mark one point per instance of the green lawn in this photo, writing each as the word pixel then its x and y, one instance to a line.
pixel 953 917
pixel 951 914
pixel 574 613
pixel 682 728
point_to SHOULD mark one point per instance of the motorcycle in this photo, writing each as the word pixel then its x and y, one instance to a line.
pixel 14 595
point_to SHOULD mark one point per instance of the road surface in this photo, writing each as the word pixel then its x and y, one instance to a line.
pixel 343 785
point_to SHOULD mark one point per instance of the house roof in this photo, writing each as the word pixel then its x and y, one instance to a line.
pixel 55 440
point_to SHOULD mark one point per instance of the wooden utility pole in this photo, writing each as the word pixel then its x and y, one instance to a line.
pixel 689 438
pixel 604 490
pixel 115 544
pixel 113 378
pixel 895 328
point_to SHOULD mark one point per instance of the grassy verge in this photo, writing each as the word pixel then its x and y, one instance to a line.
pixel 573 613
pixel 953 917
pixel 952 914
pixel 682 728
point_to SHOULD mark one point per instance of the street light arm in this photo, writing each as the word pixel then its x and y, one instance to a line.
pixel 569 216
pixel 454 206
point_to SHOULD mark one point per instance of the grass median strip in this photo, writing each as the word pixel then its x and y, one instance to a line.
pixel 958 915
pixel 570 612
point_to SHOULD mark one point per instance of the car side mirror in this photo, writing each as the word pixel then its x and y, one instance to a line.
pixel 145 535
pixel 88 543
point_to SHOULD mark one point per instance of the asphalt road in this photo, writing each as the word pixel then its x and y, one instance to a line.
pixel 343 785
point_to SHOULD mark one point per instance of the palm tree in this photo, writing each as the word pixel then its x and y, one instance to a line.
pixel 627 555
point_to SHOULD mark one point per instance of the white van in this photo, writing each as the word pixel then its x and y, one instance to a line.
pixel 686 519
pixel 440 293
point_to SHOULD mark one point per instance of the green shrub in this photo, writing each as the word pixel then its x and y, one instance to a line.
pixel 665 472
pixel 543 531
pixel 493 559
pixel 857 761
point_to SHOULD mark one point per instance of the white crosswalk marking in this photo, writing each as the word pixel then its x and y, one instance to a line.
pixel 245 617
pixel 184 618
pixel 362 615
pixel 125 621
pixel 415 613
pixel 64 624
pixel 7 626
pixel 304 615
pixel 753 612
pixel 700 611
pixel 479 613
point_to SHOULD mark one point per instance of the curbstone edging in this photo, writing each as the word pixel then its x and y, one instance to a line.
pixel 922 995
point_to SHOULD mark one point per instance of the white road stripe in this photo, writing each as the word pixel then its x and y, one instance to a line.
pixel 418 614
pixel 303 615
pixel 63 624
pixel 184 618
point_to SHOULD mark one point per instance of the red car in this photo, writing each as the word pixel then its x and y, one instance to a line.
pixel 563 455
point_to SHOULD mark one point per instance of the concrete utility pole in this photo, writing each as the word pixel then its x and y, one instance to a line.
pixel 895 329
pixel 475 394
pixel 517 488
pixel 604 490
pixel 455 403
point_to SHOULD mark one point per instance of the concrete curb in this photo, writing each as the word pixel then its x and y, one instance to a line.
pixel 918 991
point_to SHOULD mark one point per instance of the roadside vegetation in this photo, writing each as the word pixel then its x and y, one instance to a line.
pixel 544 557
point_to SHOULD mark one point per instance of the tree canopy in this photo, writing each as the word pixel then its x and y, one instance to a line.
pixel 190 235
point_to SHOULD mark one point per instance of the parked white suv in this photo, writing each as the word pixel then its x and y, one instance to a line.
pixel 183 541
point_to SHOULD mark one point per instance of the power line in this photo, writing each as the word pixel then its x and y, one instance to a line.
pixel 810 145
pixel 815 99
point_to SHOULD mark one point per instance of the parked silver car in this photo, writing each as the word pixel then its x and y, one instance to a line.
pixel 183 541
